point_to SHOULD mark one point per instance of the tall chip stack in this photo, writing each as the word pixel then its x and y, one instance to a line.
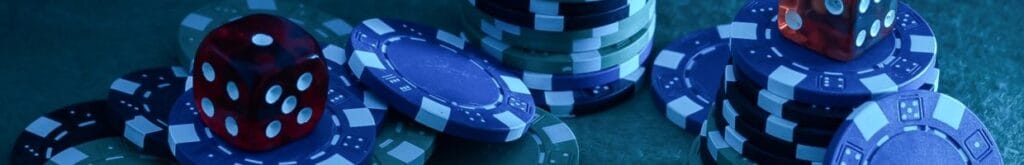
pixel 576 56
pixel 782 102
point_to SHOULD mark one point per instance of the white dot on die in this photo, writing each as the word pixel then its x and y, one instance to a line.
pixel 304 81
pixel 208 72
pixel 273 128
pixel 261 39
pixel 207 106
pixel 304 115
pixel 232 90
pixel 793 20
pixel 861 36
pixel 273 94
pixel 890 18
pixel 834 7
pixel 288 105
pixel 231 126
pixel 876 27
pixel 864 6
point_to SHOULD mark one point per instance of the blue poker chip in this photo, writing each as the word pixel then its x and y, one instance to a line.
pixel 913 127
pixel 345 136
pixel 571 103
pixel 553 82
pixel 828 117
pixel 687 75
pixel 555 8
pixel 343 89
pixel 782 137
pixel 139 103
pixel 434 77
pixel 557 23
pixel 52 137
pixel 797 73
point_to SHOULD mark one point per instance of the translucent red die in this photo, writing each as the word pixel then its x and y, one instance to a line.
pixel 260 82
pixel 839 29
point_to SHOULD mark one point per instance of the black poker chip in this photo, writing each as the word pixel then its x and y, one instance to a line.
pixel 140 102
pixel 52 137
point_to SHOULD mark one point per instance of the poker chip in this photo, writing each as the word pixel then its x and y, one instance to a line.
pixel 52 137
pixel 140 102
pixel 718 148
pixel 330 32
pixel 343 137
pixel 687 74
pixel 571 103
pixel 544 81
pixel 766 137
pixel 344 90
pixel 114 150
pixel 548 141
pixel 402 141
pixel 913 127
pixel 565 63
pixel 546 7
pixel 797 73
pixel 559 23
pixel 560 42
pixel 776 126
pixel 433 77
pixel 820 116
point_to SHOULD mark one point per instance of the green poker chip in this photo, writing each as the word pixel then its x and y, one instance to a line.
pixel 548 141
pixel 566 63
pixel 565 42
pixel 113 150
pixel 403 141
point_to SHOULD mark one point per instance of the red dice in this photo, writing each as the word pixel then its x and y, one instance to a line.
pixel 260 82
pixel 839 29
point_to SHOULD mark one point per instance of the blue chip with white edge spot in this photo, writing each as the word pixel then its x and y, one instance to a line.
pixel 913 127
pixel 687 75
pixel 797 73
pixel 434 77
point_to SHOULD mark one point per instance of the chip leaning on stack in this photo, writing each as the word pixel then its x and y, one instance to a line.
pixel 577 57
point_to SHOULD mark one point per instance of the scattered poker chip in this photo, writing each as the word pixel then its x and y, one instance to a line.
pixel 197 24
pixel 571 103
pixel 821 116
pixel 114 150
pixel 549 141
pixel 52 137
pixel 687 74
pixel 797 73
pixel 547 7
pixel 544 81
pixel 140 102
pixel 717 146
pixel 432 76
pixel 736 111
pixel 566 63
pixel 564 42
pixel 403 141
pixel 913 127
pixel 558 23
pixel 343 137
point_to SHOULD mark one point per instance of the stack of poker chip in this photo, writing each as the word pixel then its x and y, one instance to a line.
pixel 784 104
pixel 576 56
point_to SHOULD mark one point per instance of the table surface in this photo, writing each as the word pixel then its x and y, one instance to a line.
pixel 56 53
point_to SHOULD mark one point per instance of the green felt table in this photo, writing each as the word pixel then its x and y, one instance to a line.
pixel 55 53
